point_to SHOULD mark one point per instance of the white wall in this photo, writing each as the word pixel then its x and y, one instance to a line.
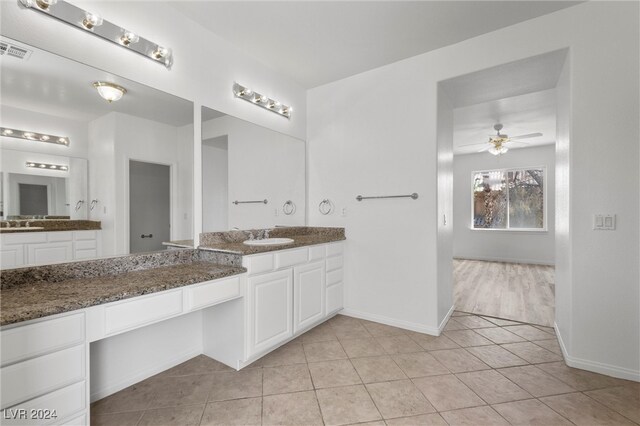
pixel 375 133
pixel 499 245
pixel 215 184
pixel 263 164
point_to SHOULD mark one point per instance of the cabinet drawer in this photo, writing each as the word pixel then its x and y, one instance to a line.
pixel 54 237
pixel 334 277
pixel 316 253
pixel 37 339
pixel 66 402
pixel 258 264
pixel 292 257
pixel 140 311
pixel 86 254
pixel 42 254
pixel 210 293
pixel 334 263
pixel 85 235
pixel 38 376
pixel 86 244
pixel 335 249
pixel 334 298
pixel 23 238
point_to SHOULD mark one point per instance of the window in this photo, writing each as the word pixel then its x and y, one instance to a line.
pixel 512 199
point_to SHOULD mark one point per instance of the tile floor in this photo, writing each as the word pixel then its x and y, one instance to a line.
pixel 481 371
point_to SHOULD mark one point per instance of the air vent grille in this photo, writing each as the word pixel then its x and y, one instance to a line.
pixel 14 50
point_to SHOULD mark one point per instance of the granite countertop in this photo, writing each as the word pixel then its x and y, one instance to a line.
pixel 49 225
pixel 37 292
pixel 179 243
pixel 232 241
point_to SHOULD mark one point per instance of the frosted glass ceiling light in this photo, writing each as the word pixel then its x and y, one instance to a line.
pixel 498 151
pixel 34 136
pixel 109 91
pixel 243 92
pixel 94 24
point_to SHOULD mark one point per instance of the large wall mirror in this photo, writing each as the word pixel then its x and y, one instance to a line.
pixel 252 177
pixel 128 163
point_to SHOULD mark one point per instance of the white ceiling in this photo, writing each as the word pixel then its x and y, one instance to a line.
pixel 57 86
pixel 317 42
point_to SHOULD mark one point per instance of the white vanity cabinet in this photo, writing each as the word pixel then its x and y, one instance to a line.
pixel 41 248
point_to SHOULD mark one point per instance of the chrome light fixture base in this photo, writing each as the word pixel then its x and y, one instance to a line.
pixel 96 25
pixel 47 166
pixel 34 136
pixel 263 101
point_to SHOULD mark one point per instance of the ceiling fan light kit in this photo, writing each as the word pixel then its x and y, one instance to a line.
pixel 497 145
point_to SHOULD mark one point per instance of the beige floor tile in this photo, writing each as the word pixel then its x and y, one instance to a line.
pixel 530 412
pixel 466 338
pixel 246 411
pixel 529 332
pixel 535 381
pixel 320 333
pixel 453 324
pixel 531 352
pixel 201 364
pixel 473 321
pixel 343 320
pixel 182 390
pixel 459 314
pixel 580 379
pixel 346 405
pixel 549 330
pixel 623 399
pixel 477 416
pixel 493 387
pixel 291 353
pixel 433 343
pixel 496 356
pixel 377 369
pixel 420 364
pixel 399 344
pixel 433 419
pixel 582 410
pixel 134 398
pixel 324 351
pixel 459 360
pixel 356 348
pixel 499 335
pixel 189 415
pixel 300 408
pixel 378 423
pixel 399 399
pixel 117 419
pixel 447 392
pixel 351 331
pixel 378 330
pixel 237 384
pixel 329 374
pixel 550 345
pixel 501 322
pixel 286 379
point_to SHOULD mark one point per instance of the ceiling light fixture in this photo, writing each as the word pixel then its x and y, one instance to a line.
pixel 109 91
pixel 265 102
pixel 498 150
pixel 34 136
pixel 47 166
pixel 96 25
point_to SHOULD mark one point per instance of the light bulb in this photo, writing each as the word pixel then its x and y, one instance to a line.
pixel 45 4
pixel 28 135
pixel 7 131
pixel 91 20
pixel 129 38
pixel 44 138
pixel 160 52
pixel 42 166
pixel 63 141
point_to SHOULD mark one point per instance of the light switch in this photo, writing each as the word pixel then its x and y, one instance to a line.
pixel 604 222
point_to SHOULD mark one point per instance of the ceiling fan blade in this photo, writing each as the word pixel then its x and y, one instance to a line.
pixel 486 148
pixel 508 143
pixel 530 135
pixel 472 144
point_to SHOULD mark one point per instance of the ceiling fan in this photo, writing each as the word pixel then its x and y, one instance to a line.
pixel 500 143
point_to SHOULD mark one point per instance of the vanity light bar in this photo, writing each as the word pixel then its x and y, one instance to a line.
pixel 94 24
pixel 265 102
pixel 34 136
pixel 47 166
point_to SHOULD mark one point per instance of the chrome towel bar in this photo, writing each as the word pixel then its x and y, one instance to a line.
pixel 250 202
pixel 413 196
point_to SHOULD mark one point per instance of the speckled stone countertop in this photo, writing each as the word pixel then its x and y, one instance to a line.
pixel 232 241
pixel 49 225
pixel 179 243
pixel 36 292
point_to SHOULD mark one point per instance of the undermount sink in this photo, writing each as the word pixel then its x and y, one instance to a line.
pixel 269 242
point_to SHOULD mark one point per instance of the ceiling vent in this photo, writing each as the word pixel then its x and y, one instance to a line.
pixel 14 50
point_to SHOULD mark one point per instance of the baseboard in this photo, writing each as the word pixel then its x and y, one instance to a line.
pixel 505 260
pixel 420 328
pixel 594 366
pixel 145 374
pixel 444 321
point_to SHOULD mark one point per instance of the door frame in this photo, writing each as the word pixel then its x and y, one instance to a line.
pixel 173 204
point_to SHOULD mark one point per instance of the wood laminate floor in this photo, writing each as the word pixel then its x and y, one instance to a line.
pixel 515 291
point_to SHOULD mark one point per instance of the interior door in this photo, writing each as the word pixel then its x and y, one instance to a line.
pixel 149 206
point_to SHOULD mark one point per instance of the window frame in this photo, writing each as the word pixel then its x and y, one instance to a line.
pixel 544 228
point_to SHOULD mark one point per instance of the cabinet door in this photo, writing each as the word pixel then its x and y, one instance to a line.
pixel 270 310
pixel 308 294
pixel 12 256
pixel 44 253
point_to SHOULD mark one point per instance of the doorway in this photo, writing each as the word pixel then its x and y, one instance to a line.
pixel 149 206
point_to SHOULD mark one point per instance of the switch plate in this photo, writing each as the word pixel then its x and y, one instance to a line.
pixel 604 222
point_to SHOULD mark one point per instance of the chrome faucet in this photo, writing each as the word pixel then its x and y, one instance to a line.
pixel 251 237
pixel 266 234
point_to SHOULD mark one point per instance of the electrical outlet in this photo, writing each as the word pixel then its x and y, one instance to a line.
pixel 604 222
pixel 344 212
pixel 276 212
